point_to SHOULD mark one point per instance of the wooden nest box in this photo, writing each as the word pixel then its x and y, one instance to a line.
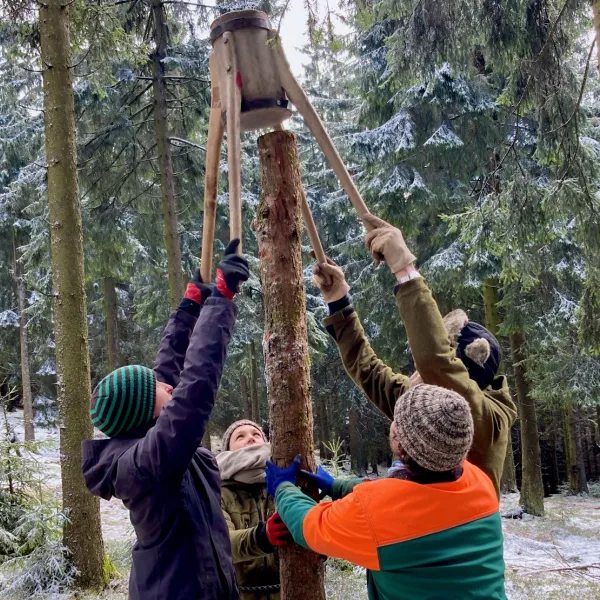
pixel 248 51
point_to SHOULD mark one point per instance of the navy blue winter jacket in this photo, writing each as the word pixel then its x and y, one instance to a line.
pixel 169 484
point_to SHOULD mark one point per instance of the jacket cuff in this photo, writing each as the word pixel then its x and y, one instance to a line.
pixel 404 289
pixel 262 540
pixel 338 317
pixel 190 306
pixel 339 304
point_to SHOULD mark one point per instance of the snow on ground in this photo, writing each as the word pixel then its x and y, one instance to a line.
pixel 554 557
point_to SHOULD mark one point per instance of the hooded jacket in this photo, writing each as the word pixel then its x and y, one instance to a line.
pixel 169 484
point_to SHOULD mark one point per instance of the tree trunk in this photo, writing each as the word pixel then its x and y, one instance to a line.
pixel 167 177
pixel 596 10
pixel 323 427
pixel 278 229
pixel 573 453
pixel 254 383
pixel 82 533
pixel 25 370
pixel 356 449
pixel 112 324
pixel 532 487
pixel 508 483
pixel 206 443
pixel 246 405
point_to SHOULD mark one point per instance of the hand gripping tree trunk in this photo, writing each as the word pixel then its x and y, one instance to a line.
pixel 24 337
pixel 167 177
pixel 278 228
pixel 82 532
pixel 532 487
pixel 508 483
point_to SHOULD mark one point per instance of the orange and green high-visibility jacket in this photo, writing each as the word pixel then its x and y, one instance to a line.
pixel 438 541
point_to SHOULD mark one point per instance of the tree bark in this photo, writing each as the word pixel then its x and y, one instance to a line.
pixel 82 533
pixel 573 452
pixel 246 405
pixel 532 487
pixel 278 229
pixel 165 159
pixel 508 483
pixel 112 324
pixel 24 338
pixel 254 383
pixel 596 11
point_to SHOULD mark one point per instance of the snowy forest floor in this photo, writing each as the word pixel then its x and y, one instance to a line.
pixel 545 557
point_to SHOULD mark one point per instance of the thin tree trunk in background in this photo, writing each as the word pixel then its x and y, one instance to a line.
pixel 24 338
pixel 112 324
pixel 82 533
pixel 532 487
pixel 508 482
pixel 596 11
pixel 574 455
pixel 595 447
pixel 323 426
pixel 167 177
pixel 206 443
pixel 246 405
pixel 356 450
pixel 254 383
pixel 278 229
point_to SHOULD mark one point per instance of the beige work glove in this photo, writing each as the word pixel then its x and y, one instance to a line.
pixel 385 242
pixel 330 280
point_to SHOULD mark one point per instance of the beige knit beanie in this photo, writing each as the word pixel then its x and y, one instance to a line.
pixel 229 432
pixel 434 426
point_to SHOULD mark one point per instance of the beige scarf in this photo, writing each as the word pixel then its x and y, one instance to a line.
pixel 246 465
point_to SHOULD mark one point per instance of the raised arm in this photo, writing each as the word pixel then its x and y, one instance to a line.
pixel 379 383
pixel 170 358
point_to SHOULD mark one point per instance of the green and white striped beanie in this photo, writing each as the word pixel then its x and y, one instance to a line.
pixel 123 400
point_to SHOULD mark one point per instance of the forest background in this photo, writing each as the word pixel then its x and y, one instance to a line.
pixel 474 126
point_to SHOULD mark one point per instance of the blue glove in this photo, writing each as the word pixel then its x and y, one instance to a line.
pixel 276 476
pixel 322 479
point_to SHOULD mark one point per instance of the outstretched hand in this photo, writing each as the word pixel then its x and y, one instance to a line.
pixel 330 280
pixel 275 475
pixel 321 479
pixel 231 271
pixel 385 242
pixel 197 290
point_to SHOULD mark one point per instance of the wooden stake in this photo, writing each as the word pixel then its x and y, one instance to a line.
pixel 311 230
pixel 211 174
pixel 234 103
pixel 296 94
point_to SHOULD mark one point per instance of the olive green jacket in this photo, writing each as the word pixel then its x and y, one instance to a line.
pixel 493 409
pixel 244 506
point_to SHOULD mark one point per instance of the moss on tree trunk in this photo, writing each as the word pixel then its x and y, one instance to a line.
pixel 82 532
pixel 112 324
pixel 165 159
pixel 532 487
pixel 278 228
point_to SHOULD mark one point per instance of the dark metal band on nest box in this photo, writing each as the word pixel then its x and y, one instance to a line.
pixel 235 24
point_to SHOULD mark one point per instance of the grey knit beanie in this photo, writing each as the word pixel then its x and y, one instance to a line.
pixel 434 426
pixel 229 432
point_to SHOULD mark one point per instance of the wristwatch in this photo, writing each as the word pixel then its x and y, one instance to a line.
pixel 412 275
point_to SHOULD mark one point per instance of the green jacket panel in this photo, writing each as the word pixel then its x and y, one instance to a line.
pixel 493 410
pixel 244 507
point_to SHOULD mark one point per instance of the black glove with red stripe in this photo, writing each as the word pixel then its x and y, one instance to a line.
pixel 231 271
pixel 197 290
